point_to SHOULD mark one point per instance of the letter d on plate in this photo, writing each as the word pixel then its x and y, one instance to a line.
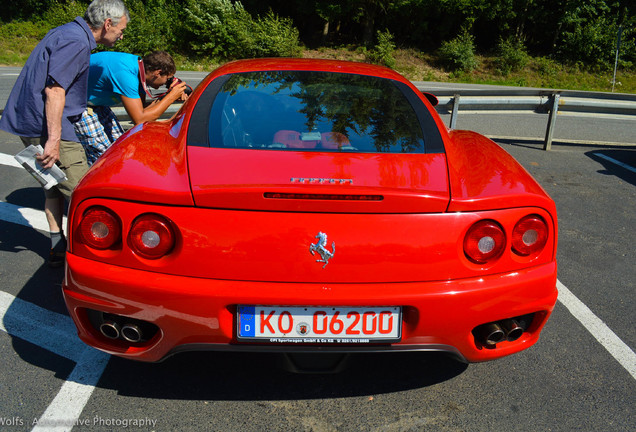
pixel 246 321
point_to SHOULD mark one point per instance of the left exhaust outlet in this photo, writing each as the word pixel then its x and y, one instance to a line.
pixel 110 328
pixel 490 334
pixel 120 327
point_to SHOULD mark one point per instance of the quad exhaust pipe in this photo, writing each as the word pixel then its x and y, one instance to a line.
pixel 120 327
pixel 493 333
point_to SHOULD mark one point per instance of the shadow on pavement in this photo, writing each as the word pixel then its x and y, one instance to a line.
pixel 617 162
pixel 258 376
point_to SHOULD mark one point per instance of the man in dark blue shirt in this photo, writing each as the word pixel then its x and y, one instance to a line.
pixel 51 93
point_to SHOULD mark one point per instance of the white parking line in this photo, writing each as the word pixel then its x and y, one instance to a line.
pixel 614 161
pixel 55 333
pixel 25 216
pixel 22 215
pixel 601 332
pixel 39 326
pixel 65 410
pixel 9 160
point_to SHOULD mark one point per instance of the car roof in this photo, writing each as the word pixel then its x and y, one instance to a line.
pixel 324 65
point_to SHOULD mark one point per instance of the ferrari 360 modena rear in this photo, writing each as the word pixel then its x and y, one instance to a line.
pixel 306 206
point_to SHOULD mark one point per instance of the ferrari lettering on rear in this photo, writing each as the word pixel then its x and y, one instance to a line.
pixel 321 180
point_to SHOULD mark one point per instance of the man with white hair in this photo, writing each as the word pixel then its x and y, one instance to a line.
pixel 50 95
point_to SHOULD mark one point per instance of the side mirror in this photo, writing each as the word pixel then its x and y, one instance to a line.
pixel 431 98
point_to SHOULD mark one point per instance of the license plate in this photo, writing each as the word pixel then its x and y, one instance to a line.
pixel 324 325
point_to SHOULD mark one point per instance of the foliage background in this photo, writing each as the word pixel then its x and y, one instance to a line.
pixel 521 42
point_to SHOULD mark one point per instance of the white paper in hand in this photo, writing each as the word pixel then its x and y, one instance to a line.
pixel 47 177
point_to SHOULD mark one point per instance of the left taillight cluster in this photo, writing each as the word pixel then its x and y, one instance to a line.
pixel 486 240
pixel 150 235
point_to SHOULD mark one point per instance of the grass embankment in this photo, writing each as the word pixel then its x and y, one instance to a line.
pixel 539 72
pixel 17 42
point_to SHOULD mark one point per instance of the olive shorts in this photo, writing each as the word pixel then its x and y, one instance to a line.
pixel 72 162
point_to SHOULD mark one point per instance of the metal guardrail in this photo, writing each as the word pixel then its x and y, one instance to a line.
pixel 550 102
pixel 553 103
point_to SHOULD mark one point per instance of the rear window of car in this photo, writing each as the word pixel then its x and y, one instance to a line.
pixel 318 111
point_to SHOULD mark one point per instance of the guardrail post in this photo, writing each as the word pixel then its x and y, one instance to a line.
pixel 453 119
pixel 547 145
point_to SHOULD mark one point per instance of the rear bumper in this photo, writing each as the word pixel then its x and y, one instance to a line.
pixel 196 313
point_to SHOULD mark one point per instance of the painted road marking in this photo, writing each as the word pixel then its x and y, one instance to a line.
pixel 22 215
pixel 51 331
pixel 56 333
pixel 601 332
pixel 25 216
pixel 9 160
pixel 65 410
pixel 42 327
pixel 614 161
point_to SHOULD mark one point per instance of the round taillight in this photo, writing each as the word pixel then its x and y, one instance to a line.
pixel 100 228
pixel 484 241
pixel 529 235
pixel 151 236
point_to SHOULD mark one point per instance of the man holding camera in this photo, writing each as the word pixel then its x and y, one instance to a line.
pixel 116 77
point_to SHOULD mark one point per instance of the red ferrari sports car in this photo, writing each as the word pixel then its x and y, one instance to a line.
pixel 308 206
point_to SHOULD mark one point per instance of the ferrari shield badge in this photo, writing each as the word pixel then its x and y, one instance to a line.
pixel 321 248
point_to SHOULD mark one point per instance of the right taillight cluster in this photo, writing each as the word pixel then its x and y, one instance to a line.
pixel 150 235
pixel 529 235
pixel 486 240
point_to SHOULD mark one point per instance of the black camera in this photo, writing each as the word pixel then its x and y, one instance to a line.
pixel 176 80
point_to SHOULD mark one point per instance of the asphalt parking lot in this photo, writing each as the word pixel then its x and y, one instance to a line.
pixel 580 376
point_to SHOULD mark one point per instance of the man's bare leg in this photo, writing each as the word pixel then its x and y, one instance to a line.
pixel 54 210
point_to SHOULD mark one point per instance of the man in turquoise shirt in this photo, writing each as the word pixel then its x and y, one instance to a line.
pixel 114 78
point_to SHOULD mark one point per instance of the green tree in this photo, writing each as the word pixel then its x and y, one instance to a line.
pixel 216 28
pixel 154 25
pixel 22 9
pixel 511 55
pixel 382 52
pixel 222 29
pixel 588 30
pixel 367 13
pixel 459 54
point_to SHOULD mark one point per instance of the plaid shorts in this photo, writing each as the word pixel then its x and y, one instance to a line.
pixel 97 130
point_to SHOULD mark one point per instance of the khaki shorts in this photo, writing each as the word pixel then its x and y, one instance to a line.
pixel 72 162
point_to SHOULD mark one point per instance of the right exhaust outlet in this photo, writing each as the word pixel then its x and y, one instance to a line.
pixel 131 333
pixel 512 329
pixel 509 329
